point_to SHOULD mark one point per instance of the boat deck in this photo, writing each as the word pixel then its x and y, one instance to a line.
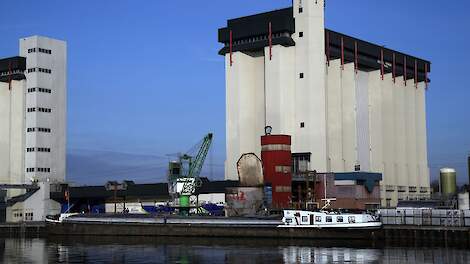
pixel 192 220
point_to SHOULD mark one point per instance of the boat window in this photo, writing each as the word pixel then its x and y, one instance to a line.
pixel 339 219
pixel 352 219
pixel 304 218
pixel 329 219
pixel 317 218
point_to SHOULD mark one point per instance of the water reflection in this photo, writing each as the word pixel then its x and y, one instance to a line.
pixel 205 250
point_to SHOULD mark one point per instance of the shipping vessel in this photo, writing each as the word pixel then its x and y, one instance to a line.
pixel 362 226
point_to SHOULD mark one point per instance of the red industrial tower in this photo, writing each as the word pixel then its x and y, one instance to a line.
pixel 277 160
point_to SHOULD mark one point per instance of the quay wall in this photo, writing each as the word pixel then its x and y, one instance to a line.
pixel 34 229
pixel 403 235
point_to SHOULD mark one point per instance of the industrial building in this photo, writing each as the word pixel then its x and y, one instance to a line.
pixel 129 195
pixel 348 190
pixel 348 105
pixel 33 131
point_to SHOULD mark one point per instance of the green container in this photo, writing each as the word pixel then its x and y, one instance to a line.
pixel 184 201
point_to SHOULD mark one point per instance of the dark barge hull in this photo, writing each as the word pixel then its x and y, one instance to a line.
pixel 222 230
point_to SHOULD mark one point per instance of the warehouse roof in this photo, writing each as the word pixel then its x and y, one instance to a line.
pixel 138 191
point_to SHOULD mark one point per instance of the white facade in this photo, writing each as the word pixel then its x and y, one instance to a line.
pixel 12 132
pixel 342 117
pixel 46 90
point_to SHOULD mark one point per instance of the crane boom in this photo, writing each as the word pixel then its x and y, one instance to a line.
pixel 183 182
pixel 196 164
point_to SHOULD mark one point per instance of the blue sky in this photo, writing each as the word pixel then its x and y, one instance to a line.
pixel 145 80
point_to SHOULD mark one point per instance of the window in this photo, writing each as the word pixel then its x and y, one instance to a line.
pixel 302 124
pixel 47 51
pixel 300 162
pixel 45 110
pixel 44 70
pixel 28 216
pixel 39 129
pixel 317 218
pixel 304 218
pixel 41 90
pixel 44 90
pixel 329 219
pixel 44 169
pixel 39 109
pixel 339 219
pixel 39 70
pixel 301 34
pixel 301 75
pixel 38 149
pixel 282 169
pixel 301 9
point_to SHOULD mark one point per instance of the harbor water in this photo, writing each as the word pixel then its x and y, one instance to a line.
pixel 74 249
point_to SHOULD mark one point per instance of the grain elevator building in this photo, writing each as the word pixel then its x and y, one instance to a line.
pixel 348 104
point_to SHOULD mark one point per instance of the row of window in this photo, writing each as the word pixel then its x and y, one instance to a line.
pixel 329 219
pixel 41 90
pixel 47 51
pixel 30 70
pixel 18 215
pixel 38 149
pixel 39 109
pixel 39 129
pixel 28 216
pixel 38 169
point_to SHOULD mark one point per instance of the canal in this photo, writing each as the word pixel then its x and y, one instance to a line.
pixel 75 249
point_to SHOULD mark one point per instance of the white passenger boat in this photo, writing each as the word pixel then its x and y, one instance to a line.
pixel 324 219
pixel 59 218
